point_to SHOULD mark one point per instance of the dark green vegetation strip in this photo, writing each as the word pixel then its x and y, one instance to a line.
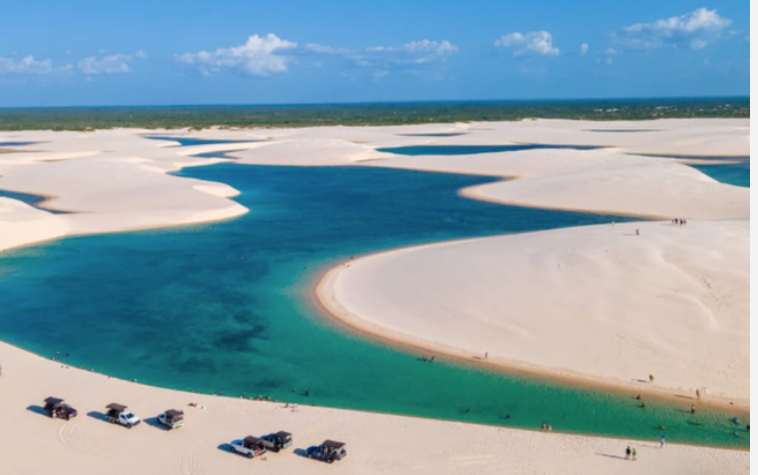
pixel 86 118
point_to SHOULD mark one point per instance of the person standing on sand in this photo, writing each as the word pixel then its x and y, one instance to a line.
pixel 697 393
pixel 663 441
pixel 628 452
pixel 637 231
pixel 652 378
pixel 544 426
pixel 634 453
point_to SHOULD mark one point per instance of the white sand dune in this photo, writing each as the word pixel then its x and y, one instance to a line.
pixel 376 443
pixel 596 301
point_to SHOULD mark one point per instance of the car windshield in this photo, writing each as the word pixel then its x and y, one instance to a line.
pixel 128 415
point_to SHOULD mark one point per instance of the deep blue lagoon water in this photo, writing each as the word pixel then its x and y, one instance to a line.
pixel 416 150
pixel 15 144
pixel 30 199
pixel 731 173
pixel 189 141
pixel 225 306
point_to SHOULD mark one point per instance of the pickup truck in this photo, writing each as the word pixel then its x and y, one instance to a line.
pixel 276 442
pixel 117 414
pixel 55 407
pixel 172 419
pixel 249 446
pixel 328 452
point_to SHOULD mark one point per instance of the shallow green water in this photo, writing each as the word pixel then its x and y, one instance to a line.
pixel 225 306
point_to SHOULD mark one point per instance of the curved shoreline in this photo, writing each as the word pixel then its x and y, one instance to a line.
pixel 322 293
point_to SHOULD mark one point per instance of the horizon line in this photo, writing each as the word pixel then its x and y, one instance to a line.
pixel 390 102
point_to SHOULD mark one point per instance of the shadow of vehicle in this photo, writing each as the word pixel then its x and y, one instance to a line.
pixel 226 447
pixel 98 415
pixel 301 452
pixel 38 410
pixel 153 422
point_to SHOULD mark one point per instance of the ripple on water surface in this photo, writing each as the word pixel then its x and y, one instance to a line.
pixel 225 306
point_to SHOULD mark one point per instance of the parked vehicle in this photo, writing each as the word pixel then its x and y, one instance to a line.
pixel 249 446
pixel 172 419
pixel 328 452
pixel 117 414
pixel 56 407
pixel 276 442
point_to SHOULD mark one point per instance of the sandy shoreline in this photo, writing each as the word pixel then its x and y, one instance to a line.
pixel 87 444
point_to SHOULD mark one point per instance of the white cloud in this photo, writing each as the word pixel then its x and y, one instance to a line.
pixel 539 43
pixel 28 65
pixel 415 52
pixel 611 51
pixel 260 56
pixel 695 29
pixel 420 57
pixel 113 64
pixel 322 49
pixel 584 48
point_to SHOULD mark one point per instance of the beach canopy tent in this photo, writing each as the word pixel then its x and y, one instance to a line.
pixel 53 401
pixel 174 414
pixel 116 407
pixel 333 444
pixel 282 435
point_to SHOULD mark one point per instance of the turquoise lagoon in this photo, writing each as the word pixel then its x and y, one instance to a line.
pixel 227 307
pixel 737 173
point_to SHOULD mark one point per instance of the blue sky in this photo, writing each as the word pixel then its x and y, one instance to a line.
pixel 87 52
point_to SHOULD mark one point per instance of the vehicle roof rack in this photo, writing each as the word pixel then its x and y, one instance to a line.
pixel 333 444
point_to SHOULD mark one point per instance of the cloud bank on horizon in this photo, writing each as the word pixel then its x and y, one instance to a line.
pixel 269 55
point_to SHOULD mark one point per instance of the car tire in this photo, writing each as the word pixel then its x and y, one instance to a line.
pixel 128 426
pixel 68 417
pixel 250 455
